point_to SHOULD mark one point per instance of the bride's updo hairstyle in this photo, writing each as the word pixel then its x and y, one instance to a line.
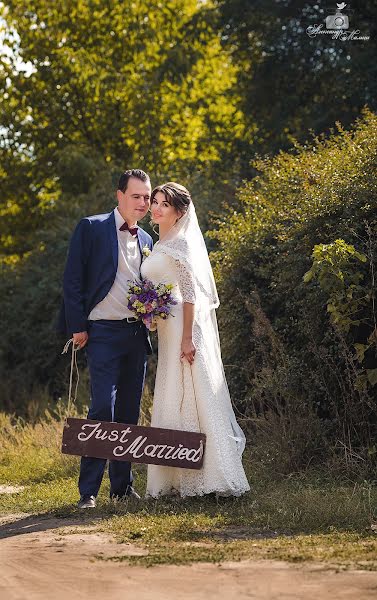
pixel 177 195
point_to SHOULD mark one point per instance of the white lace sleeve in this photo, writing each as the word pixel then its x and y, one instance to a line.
pixel 186 283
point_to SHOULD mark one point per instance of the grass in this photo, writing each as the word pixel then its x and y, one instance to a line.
pixel 303 517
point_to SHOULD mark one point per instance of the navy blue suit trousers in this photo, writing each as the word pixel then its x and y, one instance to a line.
pixel 117 359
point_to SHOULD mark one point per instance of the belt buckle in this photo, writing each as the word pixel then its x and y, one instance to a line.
pixel 131 319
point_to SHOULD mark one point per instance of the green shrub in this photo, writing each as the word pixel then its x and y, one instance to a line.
pixel 279 345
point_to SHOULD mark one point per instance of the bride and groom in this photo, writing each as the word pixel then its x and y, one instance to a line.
pixel 191 393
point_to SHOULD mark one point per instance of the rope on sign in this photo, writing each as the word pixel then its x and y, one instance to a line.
pixel 73 364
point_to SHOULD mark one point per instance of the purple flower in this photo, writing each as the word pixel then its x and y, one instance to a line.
pixel 156 299
pixel 164 309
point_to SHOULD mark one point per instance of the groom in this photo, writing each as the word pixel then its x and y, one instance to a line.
pixel 105 252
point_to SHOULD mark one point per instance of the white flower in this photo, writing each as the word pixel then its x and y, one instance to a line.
pixel 146 251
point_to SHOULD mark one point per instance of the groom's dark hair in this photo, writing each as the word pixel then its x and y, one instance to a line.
pixel 138 173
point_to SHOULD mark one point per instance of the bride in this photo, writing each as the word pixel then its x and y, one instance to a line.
pixel 191 391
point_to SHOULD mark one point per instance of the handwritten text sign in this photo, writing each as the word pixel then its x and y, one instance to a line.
pixel 118 441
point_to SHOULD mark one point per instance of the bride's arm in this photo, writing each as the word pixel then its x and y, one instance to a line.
pixel 187 345
pixel 187 287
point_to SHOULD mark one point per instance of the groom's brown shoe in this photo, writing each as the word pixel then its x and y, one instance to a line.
pixel 86 502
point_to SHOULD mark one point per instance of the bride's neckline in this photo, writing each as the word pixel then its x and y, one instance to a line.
pixel 166 234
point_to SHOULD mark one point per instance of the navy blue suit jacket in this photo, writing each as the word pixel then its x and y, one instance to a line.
pixel 91 268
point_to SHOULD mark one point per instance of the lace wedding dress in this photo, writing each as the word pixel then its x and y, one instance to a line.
pixel 193 398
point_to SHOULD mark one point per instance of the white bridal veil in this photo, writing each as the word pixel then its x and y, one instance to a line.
pixel 184 242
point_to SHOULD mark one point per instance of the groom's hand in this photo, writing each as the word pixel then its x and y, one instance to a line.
pixel 80 339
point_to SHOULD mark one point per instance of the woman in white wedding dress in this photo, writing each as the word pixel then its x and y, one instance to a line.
pixel 191 391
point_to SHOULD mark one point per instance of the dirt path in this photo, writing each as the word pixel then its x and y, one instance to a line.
pixel 40 559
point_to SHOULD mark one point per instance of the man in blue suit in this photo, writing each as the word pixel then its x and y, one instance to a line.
pixel 105 252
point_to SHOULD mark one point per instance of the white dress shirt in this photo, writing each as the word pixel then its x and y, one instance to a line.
pixel 114 305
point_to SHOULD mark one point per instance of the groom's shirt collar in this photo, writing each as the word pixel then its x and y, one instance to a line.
pixel 119 221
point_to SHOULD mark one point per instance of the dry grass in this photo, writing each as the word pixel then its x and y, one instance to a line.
pixel 308 516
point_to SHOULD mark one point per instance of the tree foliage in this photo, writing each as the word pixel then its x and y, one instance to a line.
pixel 293 83
pixel 277 337
pixel 141 83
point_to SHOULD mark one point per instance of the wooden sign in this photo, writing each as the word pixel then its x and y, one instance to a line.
pixel 132 443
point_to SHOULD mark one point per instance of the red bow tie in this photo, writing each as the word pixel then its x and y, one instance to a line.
pixel 132 230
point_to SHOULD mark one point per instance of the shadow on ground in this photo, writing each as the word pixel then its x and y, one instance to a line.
pixel 45 522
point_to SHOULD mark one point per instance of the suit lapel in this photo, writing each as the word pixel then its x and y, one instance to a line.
pixel 140 242
pixel 113 239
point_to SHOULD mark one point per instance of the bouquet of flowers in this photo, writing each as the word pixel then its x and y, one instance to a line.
pixel 149 302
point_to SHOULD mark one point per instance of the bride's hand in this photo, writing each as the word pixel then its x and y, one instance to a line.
pixel 188 350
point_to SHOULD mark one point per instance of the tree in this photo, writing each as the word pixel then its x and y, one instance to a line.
pixel 143 83
pixel 291 83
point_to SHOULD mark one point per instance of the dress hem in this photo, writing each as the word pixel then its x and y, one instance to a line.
pixel 175 493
